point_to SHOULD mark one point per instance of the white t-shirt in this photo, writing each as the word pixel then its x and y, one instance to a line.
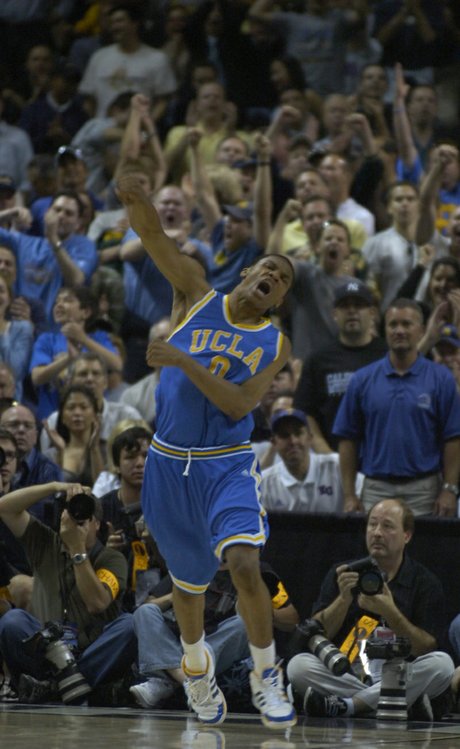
pixel 110 72
pixel 320 491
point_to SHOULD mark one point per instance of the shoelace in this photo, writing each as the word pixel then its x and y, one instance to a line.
pixel 200 689
pixel 274 693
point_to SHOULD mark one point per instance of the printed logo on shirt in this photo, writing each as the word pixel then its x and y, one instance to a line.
pixel 337 382
pixel 325 490
pixel 424 401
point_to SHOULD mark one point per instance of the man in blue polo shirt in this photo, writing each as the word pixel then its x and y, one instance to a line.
pixel 44 264
pixel 399 422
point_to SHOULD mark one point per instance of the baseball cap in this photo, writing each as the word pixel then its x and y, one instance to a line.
pixel 240 212
pixel 356 289
pixel 7 184
pixel 287 413
pixel 449 335
pixel 68 152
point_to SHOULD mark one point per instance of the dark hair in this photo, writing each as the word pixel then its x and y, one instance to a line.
pixel 408 522
pixel 417 86
pixel 295 71
pixel 133 11
pixel 73 195
pixel 86 299
pixel 129 439
pixel 373 65
pixel 399 183
pixel 60 427
pixel 5 434
pixel 452 262
pixel 404 303
pixel 336 222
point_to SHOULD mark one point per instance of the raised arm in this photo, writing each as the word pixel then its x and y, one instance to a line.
pixel 262 191
pixel 14 506
pixel 202 185
pixel 177 267
pixel 426 222
pixel 401 125
pixel 71 273
pixel 236 401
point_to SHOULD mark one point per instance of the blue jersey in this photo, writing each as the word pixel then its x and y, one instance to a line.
pixel 185 416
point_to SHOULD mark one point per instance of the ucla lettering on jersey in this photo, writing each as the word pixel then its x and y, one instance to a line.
pixel 236 352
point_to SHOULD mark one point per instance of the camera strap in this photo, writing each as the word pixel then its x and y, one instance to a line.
pixel 361 631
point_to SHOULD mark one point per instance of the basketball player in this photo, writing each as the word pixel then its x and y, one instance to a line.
pixel 201 487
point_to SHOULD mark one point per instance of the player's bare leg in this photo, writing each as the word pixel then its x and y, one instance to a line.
pixel 254 606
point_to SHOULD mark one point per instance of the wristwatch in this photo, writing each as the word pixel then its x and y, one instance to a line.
pixel 79 558
pixel 453 488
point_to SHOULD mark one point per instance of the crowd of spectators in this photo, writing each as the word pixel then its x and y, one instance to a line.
pixel 323 129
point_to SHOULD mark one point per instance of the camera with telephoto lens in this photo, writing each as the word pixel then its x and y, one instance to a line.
pixel 370 576
pixel 309 635
pixel 393 651
pixel 80 507
pixel 48 643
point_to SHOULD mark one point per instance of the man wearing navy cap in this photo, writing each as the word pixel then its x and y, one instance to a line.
pixel 302 481
pixel 400 421
pixel 326 374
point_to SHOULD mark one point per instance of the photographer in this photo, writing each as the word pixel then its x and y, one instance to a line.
pixel 77 582
pixel 411 604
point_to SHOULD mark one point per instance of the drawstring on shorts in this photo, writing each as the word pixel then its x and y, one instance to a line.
pixel 189 462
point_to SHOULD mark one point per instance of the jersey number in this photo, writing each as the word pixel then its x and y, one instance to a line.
pixel 219 366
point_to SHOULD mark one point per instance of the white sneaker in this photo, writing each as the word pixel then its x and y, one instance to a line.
pixel 203 695
pixel 269 697
pixel 151 692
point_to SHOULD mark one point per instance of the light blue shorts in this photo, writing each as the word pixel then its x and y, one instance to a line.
pixel 197 503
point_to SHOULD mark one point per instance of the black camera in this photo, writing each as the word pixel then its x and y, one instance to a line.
pixel 398 647
pixel 48 643
pixel 80 507
pixel 370 576
pixel 309 635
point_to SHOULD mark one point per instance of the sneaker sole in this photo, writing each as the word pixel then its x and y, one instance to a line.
pixel 141 701
pixel 279 725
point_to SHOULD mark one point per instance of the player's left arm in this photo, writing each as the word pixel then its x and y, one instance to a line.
pixel 236 401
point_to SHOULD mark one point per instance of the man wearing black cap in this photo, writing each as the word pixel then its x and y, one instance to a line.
pixel 325 375
pixel 302 481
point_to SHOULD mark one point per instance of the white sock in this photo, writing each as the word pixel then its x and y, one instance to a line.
pixel 263 657
pixel 196 657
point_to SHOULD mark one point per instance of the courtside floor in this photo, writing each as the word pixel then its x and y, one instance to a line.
pixel 58 727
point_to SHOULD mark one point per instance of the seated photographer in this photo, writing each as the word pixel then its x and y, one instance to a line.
pixel 410 603
pixel 78 584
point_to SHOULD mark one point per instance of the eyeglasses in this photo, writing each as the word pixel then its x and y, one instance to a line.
pixel 28 425
pixel 9 456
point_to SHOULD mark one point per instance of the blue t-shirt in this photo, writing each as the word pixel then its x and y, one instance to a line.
pixel 38 272
pixel 46 348
pixel 148 293
pixel 400 422
pixel 225 272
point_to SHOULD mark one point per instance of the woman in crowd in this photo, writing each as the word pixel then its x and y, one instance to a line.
pixel 76 444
